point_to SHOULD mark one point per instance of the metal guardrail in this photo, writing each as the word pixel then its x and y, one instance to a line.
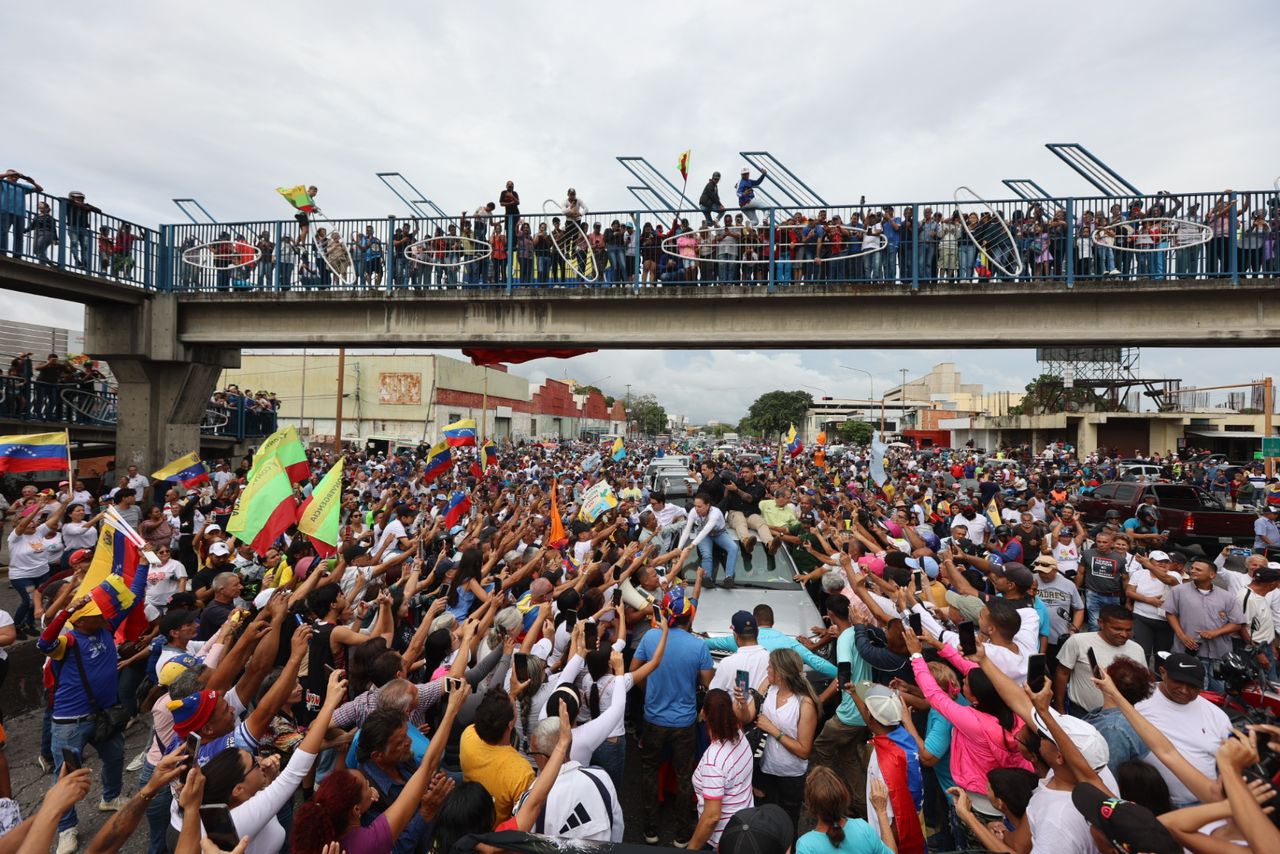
pixel 86 406
pixel 1057 240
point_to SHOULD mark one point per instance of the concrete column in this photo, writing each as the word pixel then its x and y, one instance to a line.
pixel 164 385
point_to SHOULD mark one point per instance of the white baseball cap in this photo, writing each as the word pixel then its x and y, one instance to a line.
pixel 219 549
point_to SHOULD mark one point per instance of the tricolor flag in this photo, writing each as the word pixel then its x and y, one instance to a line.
pixel 439 459
pixel 116 555
pixel 285 444
pixel 187 470
pixel 683 164
pixel 619 452
pixel 490 452
pixel 266 508
pixel 993 513
pixel 319 515
pixel 459 504
pixel 895 759
pixel 35 452
pixel 794 445
pixel 299 198
pixel 476 471
pixel 461 433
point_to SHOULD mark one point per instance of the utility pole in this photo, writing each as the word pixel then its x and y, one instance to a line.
pixel 337 422
pixel 302 407
pixel 1268 403
pixel 628 430
pixel 484 407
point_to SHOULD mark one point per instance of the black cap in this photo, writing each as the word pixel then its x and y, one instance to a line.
pixel 759 830
pixel 1018 574
pixel 1181 667
pixel 174 620
pixel 1128 826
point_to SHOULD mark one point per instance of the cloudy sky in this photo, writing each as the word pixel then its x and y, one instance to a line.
pixel 137 104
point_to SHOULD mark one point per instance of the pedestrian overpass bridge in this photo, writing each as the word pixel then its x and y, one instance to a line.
pixel 169 319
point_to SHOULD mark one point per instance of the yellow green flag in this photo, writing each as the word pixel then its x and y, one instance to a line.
pixel 320 514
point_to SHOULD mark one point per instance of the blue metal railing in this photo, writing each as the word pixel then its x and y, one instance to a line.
pixel 1050 240
pixel 88 404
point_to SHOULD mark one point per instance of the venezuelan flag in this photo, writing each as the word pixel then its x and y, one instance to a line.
pixel 993 513
pixel 460 434
pixel 459 504
pixel 187 470
pixel 490 453
pixel 438 461
pixel 35 452
pixel 116 556
pixel 619 451
pixel 794 445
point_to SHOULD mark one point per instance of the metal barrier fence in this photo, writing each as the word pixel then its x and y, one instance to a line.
pixel 84 404
pixel 1227 235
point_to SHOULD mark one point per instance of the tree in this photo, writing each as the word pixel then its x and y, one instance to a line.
pixel 647 414
pixel 775 411
pixel 1046 394
pixel 855 432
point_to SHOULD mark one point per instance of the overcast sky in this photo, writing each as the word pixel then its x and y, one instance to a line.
pixel 137 104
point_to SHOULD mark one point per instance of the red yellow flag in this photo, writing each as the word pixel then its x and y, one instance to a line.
pixel 683 164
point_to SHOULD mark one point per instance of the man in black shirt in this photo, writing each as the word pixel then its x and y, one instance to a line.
pixel 1103 575
pixel 710 199
pixel 742 514
pixel 1030 535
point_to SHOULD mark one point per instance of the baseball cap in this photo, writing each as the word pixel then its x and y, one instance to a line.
pixel 759 830
pixel 1177 557
pixel 744 623
pixel 1128 826
pixel 80 555
pixel 1083 735
pixel 1271 508
pixel 1158 555
pixel 1113 514
pixel 677 604
pixel 212 526
pixel 1044 563
pixel 1181 667
pixel 175 620
pixel 1017 573
pixel 219 549
pixel 928 564
pixel 881 702
pixel 1267 574
pixel 176 666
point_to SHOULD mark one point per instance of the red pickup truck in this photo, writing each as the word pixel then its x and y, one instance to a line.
pixel 1190 514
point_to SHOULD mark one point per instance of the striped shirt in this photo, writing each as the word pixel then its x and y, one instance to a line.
pixel 724 774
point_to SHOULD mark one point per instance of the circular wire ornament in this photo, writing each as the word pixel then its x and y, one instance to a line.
pixel 858 236
pixel 349 277
pixel 1173 235
pixel 572 263
pixel 426 247
pixel 210 256
pixel 991 255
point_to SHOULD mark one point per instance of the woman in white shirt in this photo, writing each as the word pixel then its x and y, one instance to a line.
pixel 32 546
pixel 1147 590
pixel 789 720
pixel 78 532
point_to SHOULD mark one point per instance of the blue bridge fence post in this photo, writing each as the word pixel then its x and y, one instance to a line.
pixel 1070 250
pixel 773 249
pixel 1233 242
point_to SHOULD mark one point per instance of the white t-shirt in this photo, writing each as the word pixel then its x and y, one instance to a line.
pixel 391 536
pixel 29 554
pixel 976 532
pixel 1146 584
pixel 6 619
pixel 1075 657
pixel 162 582
pixel 78 535
pixel 1066 553
pixel 754 659
pixel 724 773
pixel 1197 730
pixel 139 484
pixel 1057 827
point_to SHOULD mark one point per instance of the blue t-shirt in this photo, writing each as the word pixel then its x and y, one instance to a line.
pixel 417 741
pixel 670 692
pixel 847 711
pixel 859 838
pixel 893 234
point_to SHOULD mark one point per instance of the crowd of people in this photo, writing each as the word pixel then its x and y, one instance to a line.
pixel 991 670
pixel 34 390
pixel 1150 238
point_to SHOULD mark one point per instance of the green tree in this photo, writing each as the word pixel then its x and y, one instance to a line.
pixel 775 411
pixel 1046 394
pixel 648 415
pixel 855 432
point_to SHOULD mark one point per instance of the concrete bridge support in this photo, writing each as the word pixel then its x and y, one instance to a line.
pixel 164 385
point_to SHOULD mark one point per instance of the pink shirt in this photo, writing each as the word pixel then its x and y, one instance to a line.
pixel 978 744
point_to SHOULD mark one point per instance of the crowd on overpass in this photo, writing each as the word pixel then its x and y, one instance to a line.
pixel 1148 238
pixel 499 629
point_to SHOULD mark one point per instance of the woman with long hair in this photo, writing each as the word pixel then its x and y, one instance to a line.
pixel 333 814
pixel 722 780
pixel 789 719
pixel 827 800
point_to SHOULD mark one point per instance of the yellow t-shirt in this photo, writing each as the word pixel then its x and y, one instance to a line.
pixel 500 768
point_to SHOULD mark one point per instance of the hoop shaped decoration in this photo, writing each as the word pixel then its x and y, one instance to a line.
pixel 991 256
pixel 349 277
pixel 427 248
pixel 669 248
pixel 572 263
pixel 1172 231
pixel 214 420
pixel 90 406
pixel 209 256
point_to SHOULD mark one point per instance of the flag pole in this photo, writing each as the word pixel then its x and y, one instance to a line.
pixel 71 480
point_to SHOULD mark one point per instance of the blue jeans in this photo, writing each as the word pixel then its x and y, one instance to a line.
pixel 157 812
pixel 1094 602
pixel 81 246
pixel 968 252
pixel 724 541
pixel 612 757
pixel 617 263
pixel 1106 258
pixel 24 617
pixel 74 737
pixel 928 254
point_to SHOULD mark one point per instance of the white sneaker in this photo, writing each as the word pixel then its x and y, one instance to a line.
pixel 68 841
pixel 114 805
pixel 1113 272
pixel 46 765
pixel 136 764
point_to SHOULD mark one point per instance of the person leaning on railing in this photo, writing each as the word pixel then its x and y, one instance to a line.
pixel 14 187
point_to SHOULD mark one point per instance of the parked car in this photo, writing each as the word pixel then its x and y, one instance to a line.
pixel 1191 515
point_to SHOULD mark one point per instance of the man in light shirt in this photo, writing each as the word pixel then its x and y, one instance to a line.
pixel 750 657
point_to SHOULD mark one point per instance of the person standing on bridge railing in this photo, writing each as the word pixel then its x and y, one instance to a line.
pixel 14 187
pixel 747 194
pixel 709 201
